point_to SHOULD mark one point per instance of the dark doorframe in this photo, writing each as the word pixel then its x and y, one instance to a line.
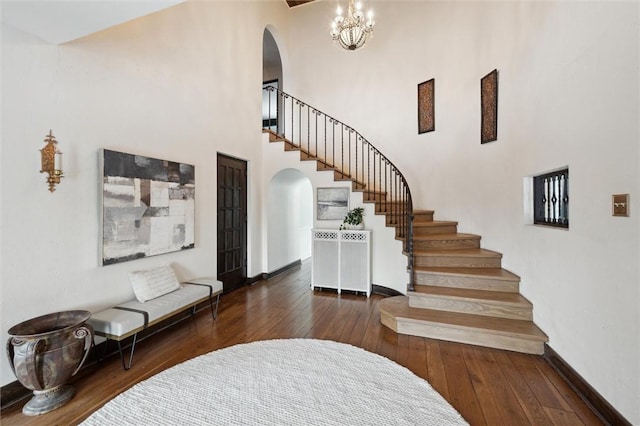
pixel 232 222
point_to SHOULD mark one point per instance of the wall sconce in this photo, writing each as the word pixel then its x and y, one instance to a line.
pixel 51 161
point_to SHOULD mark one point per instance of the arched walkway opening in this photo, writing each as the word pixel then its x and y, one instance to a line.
pixel 271 76
pixel 289 218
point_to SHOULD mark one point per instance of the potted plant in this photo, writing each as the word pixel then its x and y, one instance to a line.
pixel 353 219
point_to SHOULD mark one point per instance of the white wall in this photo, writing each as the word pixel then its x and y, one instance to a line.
pixel 181 84
pixel 568 95
pixel 306 207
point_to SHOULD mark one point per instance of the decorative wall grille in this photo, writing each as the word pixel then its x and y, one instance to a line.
pixel 551 199
pixel 355 236
pixel 325 235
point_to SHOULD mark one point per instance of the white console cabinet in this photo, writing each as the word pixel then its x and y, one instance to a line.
pixel 341 260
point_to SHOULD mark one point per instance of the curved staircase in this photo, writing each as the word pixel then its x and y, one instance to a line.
pixel 461 293
pixel 458 291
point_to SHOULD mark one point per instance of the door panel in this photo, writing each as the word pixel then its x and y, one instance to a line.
pixel 232 222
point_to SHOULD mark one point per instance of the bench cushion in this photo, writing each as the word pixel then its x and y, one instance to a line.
pixel 152 283
pixel 116 322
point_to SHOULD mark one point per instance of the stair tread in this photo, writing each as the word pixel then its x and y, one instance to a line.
pixel 493 273
pixel 465 252
pixel 399 308
pixel 435 223
pixel 436 237
pixel 471 294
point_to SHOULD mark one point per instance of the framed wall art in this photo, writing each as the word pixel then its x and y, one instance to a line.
pixel 426 107
pixel 148 206
pixel 489 107
pixel 333 203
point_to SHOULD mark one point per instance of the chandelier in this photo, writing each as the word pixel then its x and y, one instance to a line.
pixel 352 31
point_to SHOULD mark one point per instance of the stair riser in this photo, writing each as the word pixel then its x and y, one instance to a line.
pixel 446 244
pixel 390 208
pixel 396 218
pixel 475 307
pixel 428 278
pixel 469 336
pixel 357 186
pixel 457 262
pixel 422 217
pixel 436 229
pixel 372 196
pixel 321 167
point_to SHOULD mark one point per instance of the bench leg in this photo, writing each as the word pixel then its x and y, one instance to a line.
pixel 133 348
pixel 214 314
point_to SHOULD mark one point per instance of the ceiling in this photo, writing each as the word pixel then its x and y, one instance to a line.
pixel 292 3
pixel 61 21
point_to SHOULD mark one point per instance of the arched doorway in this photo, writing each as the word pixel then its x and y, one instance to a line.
pixel 271 61
pixel 271 77
pixel 289 219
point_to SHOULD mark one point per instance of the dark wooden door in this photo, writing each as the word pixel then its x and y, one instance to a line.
pixel 232 222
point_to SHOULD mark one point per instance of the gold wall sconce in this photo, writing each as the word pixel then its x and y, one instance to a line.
pixel 51 161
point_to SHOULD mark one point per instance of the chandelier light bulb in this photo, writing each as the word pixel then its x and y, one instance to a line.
pixel 338 11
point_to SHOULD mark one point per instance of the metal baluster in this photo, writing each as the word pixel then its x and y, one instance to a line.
pixel 565 200
pixel 342 151
pixel 325 137
pixel 348 170
pixel 309 129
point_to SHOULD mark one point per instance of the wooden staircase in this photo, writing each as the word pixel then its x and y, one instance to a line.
pixel 461 293
pixel 321 165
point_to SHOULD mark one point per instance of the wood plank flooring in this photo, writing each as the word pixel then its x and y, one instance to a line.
pixel 487 386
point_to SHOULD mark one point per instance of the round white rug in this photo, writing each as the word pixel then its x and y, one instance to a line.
pixel 282 382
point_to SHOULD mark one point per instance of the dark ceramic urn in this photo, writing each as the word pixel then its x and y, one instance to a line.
pixel 44 353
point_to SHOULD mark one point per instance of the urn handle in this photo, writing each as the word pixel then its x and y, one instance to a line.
pixel 31 353
pixel 86 332
pixel 11 354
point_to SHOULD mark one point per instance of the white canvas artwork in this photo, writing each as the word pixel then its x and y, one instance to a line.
pixel 148 206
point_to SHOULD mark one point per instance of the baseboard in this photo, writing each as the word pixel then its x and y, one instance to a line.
pixel 253 280
pixel 269 275
pixel 600 406
pixel 12 393
pixel 385 291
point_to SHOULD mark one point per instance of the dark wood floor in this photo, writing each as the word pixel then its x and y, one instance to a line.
pixel 486 386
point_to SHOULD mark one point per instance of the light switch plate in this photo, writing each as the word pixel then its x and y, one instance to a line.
pixel 621 204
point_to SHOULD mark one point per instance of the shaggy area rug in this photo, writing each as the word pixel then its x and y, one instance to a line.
pixel 281 382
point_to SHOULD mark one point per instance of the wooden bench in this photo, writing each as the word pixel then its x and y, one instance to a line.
pixel 128 319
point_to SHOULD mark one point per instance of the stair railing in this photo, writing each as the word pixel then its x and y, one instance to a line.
pixel 338 147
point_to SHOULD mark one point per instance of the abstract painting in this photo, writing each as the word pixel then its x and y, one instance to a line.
pixel 426 107
pixel 489 107
pixel 333 203
pixel 148 206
